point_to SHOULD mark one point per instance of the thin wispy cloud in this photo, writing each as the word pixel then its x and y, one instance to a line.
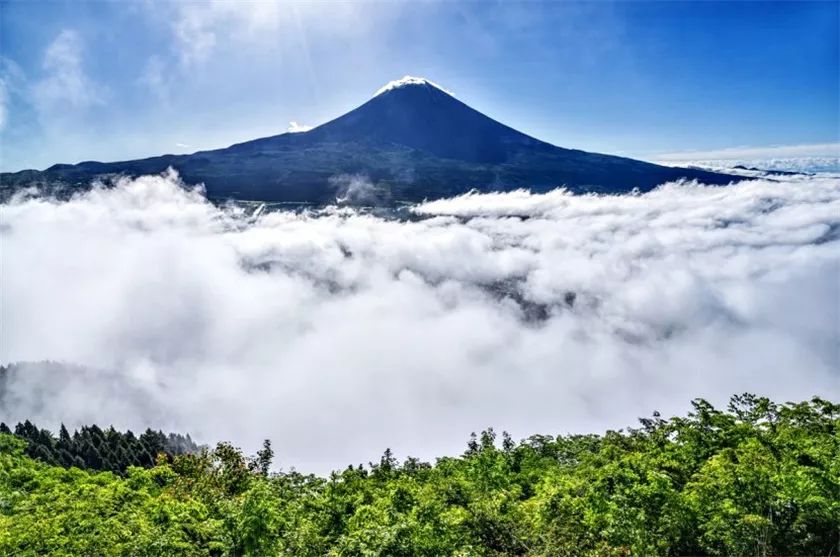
pixel 155 77
pixel 4 101
pixel 13 83
pixel 65 83
pixel 747 152
pixel 201 29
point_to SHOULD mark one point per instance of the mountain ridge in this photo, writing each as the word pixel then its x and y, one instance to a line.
pixel 412 140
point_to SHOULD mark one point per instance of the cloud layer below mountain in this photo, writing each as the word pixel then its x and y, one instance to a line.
pixel 339 333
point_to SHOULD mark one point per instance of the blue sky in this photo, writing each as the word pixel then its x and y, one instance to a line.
pixel 120 80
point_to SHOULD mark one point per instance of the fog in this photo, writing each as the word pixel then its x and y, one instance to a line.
pixel 338 333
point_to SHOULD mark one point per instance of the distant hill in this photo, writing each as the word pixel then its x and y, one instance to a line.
pixel 411 141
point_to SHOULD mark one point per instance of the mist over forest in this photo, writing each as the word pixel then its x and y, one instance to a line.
pixel 338 332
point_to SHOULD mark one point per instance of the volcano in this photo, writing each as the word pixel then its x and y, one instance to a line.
pixel 412 141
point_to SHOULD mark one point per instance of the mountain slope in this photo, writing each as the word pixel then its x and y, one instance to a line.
pixel 411 141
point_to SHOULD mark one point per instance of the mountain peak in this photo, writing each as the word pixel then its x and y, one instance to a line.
pixel 408 81
pixel 413 139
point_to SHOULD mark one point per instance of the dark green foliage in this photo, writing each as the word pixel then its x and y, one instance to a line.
pixel 262 462
pixel 758 478
pixel 95 449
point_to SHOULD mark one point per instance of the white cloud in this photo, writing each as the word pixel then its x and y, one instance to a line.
pixel 199 28
pixel 194 33
pixel 769 152
pixel 338 333
pixel 294 127
pixel 65 83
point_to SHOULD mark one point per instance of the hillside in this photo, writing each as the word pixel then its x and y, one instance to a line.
pixel 755 479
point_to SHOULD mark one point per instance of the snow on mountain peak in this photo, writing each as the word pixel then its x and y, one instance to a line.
pixel 409 80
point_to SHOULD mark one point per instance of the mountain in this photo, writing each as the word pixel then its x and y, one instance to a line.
pixel 413 140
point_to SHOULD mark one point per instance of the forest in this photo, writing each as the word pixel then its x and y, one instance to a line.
pixel 96 449
pixel 754 478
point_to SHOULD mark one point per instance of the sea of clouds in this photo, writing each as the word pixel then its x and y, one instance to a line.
pixel 338 333
pixel 824 164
